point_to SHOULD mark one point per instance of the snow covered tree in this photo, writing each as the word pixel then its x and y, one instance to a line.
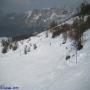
pixel 14 46
pixel 4 50
pixel 25 50
pixel 35 46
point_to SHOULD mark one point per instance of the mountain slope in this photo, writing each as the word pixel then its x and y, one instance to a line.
pixel 46 67
pixel 29 22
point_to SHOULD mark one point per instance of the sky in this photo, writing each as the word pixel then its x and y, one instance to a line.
pixel 24 5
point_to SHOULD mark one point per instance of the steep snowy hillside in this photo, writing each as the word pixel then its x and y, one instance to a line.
pixel 45 66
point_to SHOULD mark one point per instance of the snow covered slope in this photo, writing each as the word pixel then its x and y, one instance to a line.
pixel 46 67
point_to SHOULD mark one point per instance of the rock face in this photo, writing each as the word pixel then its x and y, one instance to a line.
pixel 14 24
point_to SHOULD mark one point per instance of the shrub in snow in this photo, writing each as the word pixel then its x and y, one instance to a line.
pixel 76 33
pixel 4 50
pixel 84 9
pixel 8 44
pixel 5 43
pixel 52 25
pixel 25 50
pixel 35 46
pixel 14 46
pixel 79 46
pixel 46 34
pixel 67 57
pixel 61 30
pixel 57 31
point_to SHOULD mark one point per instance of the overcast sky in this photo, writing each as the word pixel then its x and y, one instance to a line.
pixel 23 5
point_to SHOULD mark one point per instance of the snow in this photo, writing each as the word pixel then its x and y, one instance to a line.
pixel 70 21
pixel 36 17
pixel 45 68
pixel 29 13
pixel 58 16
